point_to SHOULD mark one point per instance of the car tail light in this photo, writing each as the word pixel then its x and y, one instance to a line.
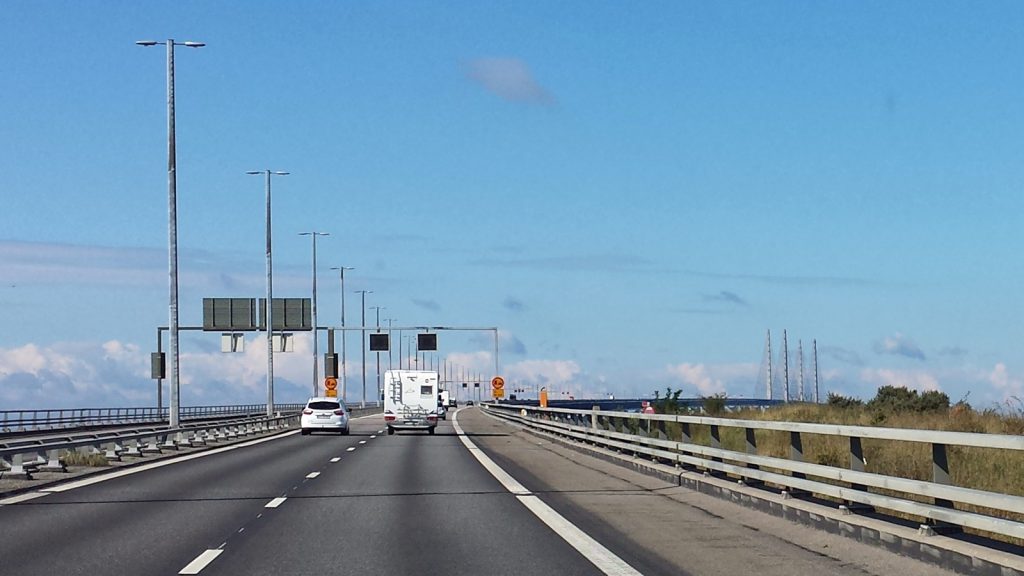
pixel 431 416
pixel 339 412
pixel 307 411
pixel 389 417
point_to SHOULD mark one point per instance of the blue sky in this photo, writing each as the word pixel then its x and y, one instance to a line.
pixel 634 194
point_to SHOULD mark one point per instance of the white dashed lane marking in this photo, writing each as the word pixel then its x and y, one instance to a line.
pixel 196 566
pixel 312 475
pixel 352 449
pixel 336 458
pixel 362 441
pixel 274 503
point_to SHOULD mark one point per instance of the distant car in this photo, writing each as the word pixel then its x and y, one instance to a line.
pixel 442 412
pixel 469 402
pixel 328 414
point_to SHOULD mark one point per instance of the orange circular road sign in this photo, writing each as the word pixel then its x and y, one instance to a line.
pixel 498 383
pixel 331 383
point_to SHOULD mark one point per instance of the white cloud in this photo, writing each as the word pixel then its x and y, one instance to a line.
pixel 711 379
pixel 508 78
pixel 910 379
pixel 899 345
pixel 1005 384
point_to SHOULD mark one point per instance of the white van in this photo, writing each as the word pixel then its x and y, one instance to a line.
pixel 410 400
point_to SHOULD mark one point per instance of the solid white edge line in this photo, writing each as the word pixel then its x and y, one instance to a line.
pixel 161 463
pixel 275 502
pixel 604 559
pixel 196 566
pixel 21 498
pixel 312 475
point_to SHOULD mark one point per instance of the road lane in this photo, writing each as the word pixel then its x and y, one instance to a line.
pixel 660 528
pixel 154 521
pixel 402 504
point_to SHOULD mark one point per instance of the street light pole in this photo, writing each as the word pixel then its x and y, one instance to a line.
pixel 389 321
pixel 316 361
pixel 270 296
pixel 363 333
pixel 379 308
pixel 172 226
pixel 344 333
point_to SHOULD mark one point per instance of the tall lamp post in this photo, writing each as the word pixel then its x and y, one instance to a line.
pixel 316 361
pixel 172 225
pixel 378 309
pixel 389 321
pixel 270 295
pixel 344 370
pixel 363 333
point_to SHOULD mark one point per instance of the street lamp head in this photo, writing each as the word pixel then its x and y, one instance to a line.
pixel 279 173
pixel 147 42
pixel 194 44
pixel 254 172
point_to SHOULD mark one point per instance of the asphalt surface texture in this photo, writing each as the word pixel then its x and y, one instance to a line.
pixel 410 503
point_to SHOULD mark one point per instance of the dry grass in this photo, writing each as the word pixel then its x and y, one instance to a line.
pixel 986 469
pixel 75 458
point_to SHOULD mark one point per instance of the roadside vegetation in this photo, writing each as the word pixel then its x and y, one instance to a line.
pixel 979 468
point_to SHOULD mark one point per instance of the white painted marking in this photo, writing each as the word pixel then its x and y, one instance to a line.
pixel 372 436
pixel 312 475
pixel 336 458
pixel 260 515
pixel 380 431
pixel 161 463
pixel 196 566
pixel 21 498
pixel 362 441
pixel 240 530
pixel 605 560
pixel 274 503
pixel 352 449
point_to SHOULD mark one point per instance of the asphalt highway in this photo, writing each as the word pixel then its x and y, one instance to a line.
pixel 411 503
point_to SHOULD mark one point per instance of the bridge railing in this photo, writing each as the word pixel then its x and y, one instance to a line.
pixel 21 458
pixel 941 505
pixel 58 418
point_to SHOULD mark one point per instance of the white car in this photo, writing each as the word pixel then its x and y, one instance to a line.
pixel 324 414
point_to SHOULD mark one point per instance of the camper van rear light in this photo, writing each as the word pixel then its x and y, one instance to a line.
pixel 389 417
pixel 431 416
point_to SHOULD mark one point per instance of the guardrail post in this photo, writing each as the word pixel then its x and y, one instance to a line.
pixel 152 447
pixel 113 452
pixel 53 463
pixel 133 449
pixel 857 465
pixel 18 467
pixel 940 475
pixel 796 453
pixel 751 438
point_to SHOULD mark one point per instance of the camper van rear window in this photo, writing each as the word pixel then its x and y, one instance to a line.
pixel 427 391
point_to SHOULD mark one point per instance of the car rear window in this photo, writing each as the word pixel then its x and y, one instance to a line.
pixel 324 405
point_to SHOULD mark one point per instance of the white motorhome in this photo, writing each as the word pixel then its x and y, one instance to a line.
pixel 410 400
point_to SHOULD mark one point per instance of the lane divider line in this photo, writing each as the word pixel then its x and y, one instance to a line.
pixel 362 441
pixel 160 464
pixel 372 436
pixel 351 448
pixel 312 475
pixel 196 566
pixel 274 503
pixel 604 559
pixel 336 458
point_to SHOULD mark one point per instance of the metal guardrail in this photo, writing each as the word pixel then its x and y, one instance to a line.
pixel 853 486
pixel 21 458
pixel 57 418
